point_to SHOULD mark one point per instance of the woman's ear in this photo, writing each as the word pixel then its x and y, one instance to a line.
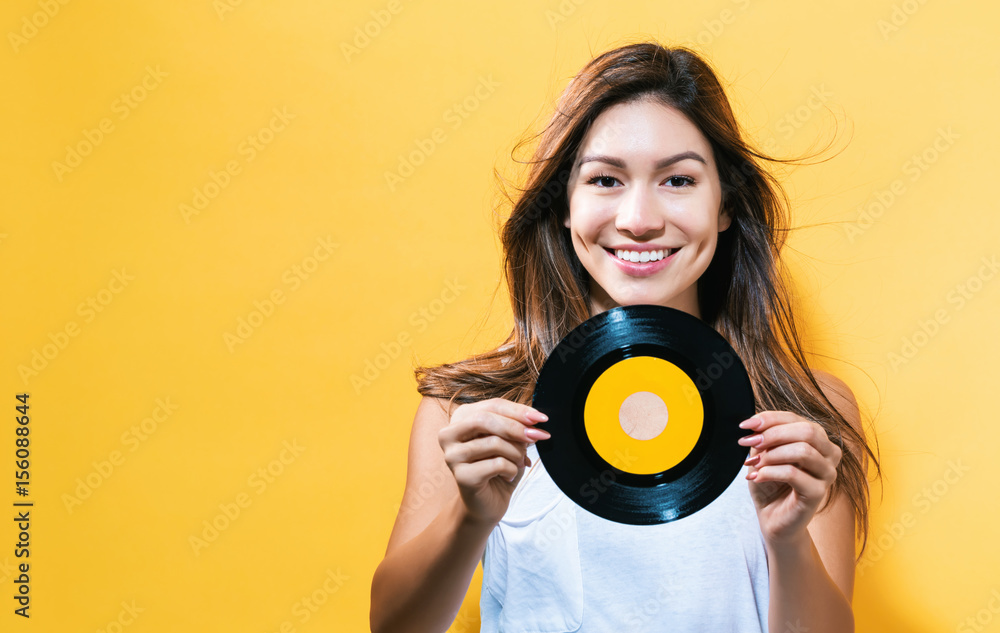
pixel 725 218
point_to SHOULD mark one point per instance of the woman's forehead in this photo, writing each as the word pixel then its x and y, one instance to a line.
pixel 641 131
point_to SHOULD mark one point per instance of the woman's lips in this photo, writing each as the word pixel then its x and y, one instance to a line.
pixel 641 269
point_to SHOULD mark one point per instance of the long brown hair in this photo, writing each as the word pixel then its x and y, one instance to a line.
pixel 743 293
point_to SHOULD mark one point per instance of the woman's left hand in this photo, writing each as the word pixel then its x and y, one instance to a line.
pixel 792 465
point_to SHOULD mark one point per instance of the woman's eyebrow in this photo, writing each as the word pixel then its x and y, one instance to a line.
pixel 660 164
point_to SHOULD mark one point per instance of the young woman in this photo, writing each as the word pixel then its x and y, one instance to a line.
pixel 642 191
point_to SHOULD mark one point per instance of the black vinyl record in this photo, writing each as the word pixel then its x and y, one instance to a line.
pixel 644 405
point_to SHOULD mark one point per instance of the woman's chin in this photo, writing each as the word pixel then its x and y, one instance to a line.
pixel 682 303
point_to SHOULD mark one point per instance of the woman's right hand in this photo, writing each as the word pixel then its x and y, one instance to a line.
pixel 484 445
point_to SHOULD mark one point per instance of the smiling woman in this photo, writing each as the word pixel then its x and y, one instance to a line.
pixel 651 201
pixel 642 191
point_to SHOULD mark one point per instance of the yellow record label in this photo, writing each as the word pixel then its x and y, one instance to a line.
pixel 643 415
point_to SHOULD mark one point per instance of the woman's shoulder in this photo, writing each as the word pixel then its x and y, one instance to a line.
pixel 839 395
pixel 433 412
pixel 843 400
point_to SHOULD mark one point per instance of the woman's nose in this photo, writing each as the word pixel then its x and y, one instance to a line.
pixel 638 214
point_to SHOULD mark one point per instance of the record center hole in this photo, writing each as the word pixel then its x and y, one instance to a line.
pixel 643 415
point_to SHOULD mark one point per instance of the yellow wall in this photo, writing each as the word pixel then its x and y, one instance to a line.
pixel 204 283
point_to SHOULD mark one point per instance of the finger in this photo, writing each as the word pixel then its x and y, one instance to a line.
pixel 800 455
pixel 802 483
pixel 801 431
pixel 759 422
pixel 477 474
pixel 513 410
pixel 486 423
pixel 482 448
pixel 766 419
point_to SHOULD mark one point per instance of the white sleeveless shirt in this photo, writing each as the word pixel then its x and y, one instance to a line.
pixel 553 567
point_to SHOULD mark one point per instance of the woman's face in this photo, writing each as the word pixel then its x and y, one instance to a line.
pixel 644 185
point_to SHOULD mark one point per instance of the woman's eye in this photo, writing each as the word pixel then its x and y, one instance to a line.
pixel 605 180
pixel 680 181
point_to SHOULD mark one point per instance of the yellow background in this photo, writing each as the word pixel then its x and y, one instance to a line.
pixel 881 79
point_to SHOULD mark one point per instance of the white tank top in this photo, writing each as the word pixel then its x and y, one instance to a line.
pixel 553 567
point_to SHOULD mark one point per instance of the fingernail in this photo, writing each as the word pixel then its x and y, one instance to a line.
pixel 536 416
pixel 750 423
pixel 752 460
pixel 536 434
pixel 752 475
pixel 750 440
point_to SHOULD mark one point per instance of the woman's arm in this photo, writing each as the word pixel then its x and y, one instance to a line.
pixel 811 580
pixel 441 529
pixel 811 555
pixel 433 550
pixel 420 584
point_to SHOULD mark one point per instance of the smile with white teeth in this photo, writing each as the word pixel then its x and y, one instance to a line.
pixel 644 256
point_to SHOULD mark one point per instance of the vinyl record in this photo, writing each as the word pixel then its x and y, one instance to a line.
pixel 644 405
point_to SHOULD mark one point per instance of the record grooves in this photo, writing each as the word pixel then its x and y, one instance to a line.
pixel 662 354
